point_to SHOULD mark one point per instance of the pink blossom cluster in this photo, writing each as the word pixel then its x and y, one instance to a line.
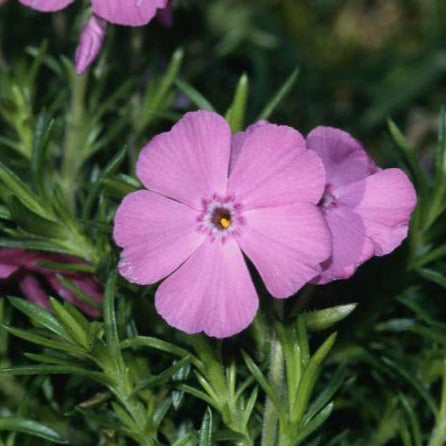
pixel 37 281
pixel 119 12
pixel 300 209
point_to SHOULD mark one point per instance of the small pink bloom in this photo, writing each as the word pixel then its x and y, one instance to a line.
pixel 199 216
pixel 90 43
pixel 33 278
pixel 119 12
pixel 366 208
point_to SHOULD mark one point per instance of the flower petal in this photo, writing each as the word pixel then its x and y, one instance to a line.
pixel 191 161
pixel 212 292
pixel 6 270
pixel 385 202
pixel 274 168
pixel 33 291
pixel 47 5
pixel 239 139
pixel 67 295
pixel 158 234
pixel 127 12
pixel 351 246
pixel 344 158
pixel 286 245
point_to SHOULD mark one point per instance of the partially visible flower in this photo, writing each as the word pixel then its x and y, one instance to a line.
pixel 118 12
pixel 90 43
pixel 33 279
pixel 366 208
pixel 211 198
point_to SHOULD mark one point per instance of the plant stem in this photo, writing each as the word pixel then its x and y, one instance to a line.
pixel 275 378
pixel 74 138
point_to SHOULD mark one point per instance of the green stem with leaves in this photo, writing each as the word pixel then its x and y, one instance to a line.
pixel 74 137
pixel 275 378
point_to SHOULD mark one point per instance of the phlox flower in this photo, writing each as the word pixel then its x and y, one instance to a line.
pixel 212 197
pixel 34 279
pixel 366 208
pixel 118 12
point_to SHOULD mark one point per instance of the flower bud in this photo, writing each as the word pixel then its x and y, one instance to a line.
pixel 90 43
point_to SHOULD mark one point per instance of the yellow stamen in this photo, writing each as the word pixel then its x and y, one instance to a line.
pixel 225 222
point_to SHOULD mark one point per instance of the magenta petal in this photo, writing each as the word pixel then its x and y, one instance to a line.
pixel 191 161
pixel 351 246
pixel 47 5
pixel 127 12
pixel 274 168
pixel 90 43
pixel 33 291
pixel 7 270
pixel 67 295
pixel 212 292
pixel 286 245
pixel 158 234
pixel 385 202
pixel 344 158
pixel 239 139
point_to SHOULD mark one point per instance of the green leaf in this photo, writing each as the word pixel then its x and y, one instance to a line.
pixel 320 320
pixel 39 316
pixel 236 112
pixel 70 323
pixel 309 377
pixel 54 369
pixel 111 326
pixel 205 437
pixel 157 100
pixel 70 267
pixel 265 385
pixel 157 344
pixel 409 157
pixel 279 96
pixel 433 276
pixel 414 382
pixel 16 186
pixel 163 377
pixel 315 423
pixel 31 336
pixel 413 420
pixel 326 395
pixel 194 95
pixel 108 170
pixel 35 223
pixel 30 427
pixel 42 135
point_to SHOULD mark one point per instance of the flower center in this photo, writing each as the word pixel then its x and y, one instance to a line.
pixel 329 199
pixel 220 217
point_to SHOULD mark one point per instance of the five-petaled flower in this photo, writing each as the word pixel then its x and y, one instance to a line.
pixel 211 197
pixel 366 208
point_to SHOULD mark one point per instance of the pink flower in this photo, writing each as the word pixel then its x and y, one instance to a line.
pixel 199 215
pixel 366 208
pixel 119 12
pixel 33 278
